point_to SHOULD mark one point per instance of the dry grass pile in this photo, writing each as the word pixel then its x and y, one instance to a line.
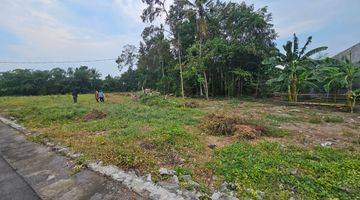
pixel 94 115
pixel 225 125
pixel 191 104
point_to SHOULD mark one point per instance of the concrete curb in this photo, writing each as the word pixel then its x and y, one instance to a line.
pixel 135 183
pixel 140 185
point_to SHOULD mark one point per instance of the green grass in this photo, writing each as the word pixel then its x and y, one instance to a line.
pixel 315 120
pixel 128 125
pixel 155 132
pixel 277 119
pixel 333 119
pixel 276 170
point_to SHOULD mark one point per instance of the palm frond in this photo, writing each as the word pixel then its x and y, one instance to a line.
pixel 296 46
pixel 309 40
pixel 288 50
pixel 314 51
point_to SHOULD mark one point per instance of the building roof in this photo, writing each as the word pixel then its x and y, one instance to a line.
pixel 355 54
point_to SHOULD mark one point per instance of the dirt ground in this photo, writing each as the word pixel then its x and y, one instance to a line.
pixel 306 126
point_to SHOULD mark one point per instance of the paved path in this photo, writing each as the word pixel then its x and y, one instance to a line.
pixel 32 171
pixel 12 185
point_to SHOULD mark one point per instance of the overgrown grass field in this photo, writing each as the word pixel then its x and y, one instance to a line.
pixel 266 150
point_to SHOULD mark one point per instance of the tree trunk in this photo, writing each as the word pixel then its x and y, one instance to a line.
pixel 226 91
pixel 181 71
pixel 257 86
pixel 240 87
pixel 162 68
pixel 293 89
pixel 221 81
pixel 289 93
pixel 206 86
pixel 335 95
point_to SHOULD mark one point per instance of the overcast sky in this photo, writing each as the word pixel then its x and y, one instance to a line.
pixel 50 30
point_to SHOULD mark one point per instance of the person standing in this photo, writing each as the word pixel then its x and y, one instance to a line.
pixel 101 96
pixel 75 95
pixel 97 95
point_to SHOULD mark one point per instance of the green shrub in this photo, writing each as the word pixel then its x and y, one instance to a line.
pixel 333 119
pixel 158 100
pixel 315 120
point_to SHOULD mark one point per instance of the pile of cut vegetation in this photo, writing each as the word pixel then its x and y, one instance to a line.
pixel 226 125
pixel 191 104
pixel 94 115
pixel 156 99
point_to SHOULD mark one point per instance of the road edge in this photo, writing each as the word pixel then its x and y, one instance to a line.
pixel 140 185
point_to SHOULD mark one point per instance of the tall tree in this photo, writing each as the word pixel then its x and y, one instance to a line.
pixel 155 56
pixel 199 7
pixel 155 9
pixel 127 58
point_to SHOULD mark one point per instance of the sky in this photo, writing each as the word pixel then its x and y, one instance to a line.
pixel 73 30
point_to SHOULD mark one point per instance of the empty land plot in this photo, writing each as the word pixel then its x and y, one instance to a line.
pixel 265 149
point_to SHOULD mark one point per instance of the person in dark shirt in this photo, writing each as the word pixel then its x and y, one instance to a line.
pixel 75 95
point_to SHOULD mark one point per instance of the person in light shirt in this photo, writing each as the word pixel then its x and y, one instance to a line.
pixel 101 96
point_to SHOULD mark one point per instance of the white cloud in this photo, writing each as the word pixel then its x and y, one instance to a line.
pixel 51 30
pixel 131 8
pixel 44 35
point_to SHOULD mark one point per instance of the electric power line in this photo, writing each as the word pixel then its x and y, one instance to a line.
pixel 55 62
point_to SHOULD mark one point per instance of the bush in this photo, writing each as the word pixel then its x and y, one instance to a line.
pixel 333 119
pixel 315 120
pixel 157 100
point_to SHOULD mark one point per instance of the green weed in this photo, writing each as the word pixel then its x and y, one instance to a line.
pixel 315 120
pixel 333 119
pixel 277 171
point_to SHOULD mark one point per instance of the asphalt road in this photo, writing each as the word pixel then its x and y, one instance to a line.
pixel 32 171
pixel 12 185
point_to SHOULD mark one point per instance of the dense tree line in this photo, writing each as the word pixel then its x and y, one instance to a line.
pixel 203 48
pixel 55 81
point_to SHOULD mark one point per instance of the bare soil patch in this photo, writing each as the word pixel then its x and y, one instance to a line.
pixel 94 115
pixel 191 104
pixel 307 126
pixel 339 135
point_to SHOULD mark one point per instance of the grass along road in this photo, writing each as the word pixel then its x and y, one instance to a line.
pixel 265 149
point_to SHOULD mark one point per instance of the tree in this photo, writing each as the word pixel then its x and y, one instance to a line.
pixel 155 58
pixel 294 65
pixel 127 58
pixel 45 82
pixel 155 9
pixel 341 73
pixel 199 7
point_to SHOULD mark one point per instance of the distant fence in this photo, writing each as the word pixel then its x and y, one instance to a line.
pixel 314 97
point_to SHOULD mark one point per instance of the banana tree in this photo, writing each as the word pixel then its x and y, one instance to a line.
pixel 343 74
pixel 294 65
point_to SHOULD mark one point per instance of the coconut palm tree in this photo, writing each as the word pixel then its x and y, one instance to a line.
pixel 294 64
